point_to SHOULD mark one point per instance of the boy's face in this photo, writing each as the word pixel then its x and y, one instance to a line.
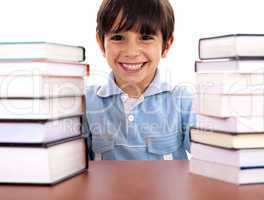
pixel 133 57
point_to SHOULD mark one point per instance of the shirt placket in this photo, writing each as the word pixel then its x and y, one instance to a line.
pixel 129 108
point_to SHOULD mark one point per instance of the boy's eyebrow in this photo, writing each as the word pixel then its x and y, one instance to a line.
pixel 113 33
pixel 120 32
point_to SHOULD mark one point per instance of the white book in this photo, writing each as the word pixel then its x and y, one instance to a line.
pixel 42 67
pixel 34 131
pixel 219 105
pixel 255 66
pixel 236 158
pixel 230 140
pixel 42 164
pixel 227 173
pixel 40 86
pixel 44 108
pixel 41 50
pixel 232 46
pixel 230 83
pixel 232 124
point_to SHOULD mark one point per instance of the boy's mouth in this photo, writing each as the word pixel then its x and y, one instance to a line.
pixel 132 67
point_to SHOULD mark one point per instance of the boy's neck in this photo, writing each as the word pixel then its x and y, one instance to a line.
pixel 135 90
pixel 132 92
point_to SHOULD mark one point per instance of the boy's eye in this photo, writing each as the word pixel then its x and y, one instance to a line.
pixel 117 37
pixel 147 37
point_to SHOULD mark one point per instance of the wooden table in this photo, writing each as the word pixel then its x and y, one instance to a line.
pixel 135 180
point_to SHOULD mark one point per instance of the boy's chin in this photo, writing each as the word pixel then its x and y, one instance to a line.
pixel 130 81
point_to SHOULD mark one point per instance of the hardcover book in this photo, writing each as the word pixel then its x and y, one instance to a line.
pixel 232 46
pixel 40 86
pixel 41 108
pixel 227 173
pixel 229 140
pixel 235 83
pixel 41 51
pixel 39 131
pixel 47 163
pixel 240 66
pixel 232 124
pixel 222 105
pixel 42 68
pixel 237 158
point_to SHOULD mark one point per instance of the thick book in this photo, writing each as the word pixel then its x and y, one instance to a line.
pixel 47 163
pixel 35 86
pixel 227 173
pixel 42 67
pixel 229 140
pixel 223 105
pixel 229 83
pixel 232 124
pixel 232 46
pixel 41 51
pixel 42 131
pixel 230 66
pixel 238 158
pixel 41 108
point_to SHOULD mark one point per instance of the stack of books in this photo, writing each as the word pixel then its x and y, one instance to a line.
pixel 41 104
pixel 228 140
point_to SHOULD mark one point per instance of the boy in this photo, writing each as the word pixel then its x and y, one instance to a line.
pixel 136 115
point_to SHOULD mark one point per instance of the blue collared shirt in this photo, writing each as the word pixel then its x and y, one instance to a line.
pixel 157 127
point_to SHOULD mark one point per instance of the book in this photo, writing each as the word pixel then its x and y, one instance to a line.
pixel 41 108
pixel 222 105
pixel 40 86
pixel 237 158
pixel 229 140
pixel 42 131
pixel 232 46
pixel 47 163
pixel 41 51
pixel 232 124
pixel 42 67
pixel 227 173
pixel 240 66
pixel 226 83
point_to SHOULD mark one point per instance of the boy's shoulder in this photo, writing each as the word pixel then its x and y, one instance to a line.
pixel 91 90
pixel 183 90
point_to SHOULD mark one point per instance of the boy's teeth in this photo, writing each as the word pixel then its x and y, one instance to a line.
pixel 132 66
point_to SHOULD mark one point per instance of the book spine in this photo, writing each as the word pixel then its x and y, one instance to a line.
pixel 86 142
pixel 43 145
pixel 84 53
pixel 252 167
pixel 224 132
pixel 45 184
pixel 195 67
pixel 199 50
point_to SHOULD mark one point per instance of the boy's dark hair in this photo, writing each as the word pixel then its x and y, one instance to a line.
pixel 149 16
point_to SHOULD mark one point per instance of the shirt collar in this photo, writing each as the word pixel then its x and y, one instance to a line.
pixel 156 86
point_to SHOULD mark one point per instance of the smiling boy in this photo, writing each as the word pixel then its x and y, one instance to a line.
pixel 136 115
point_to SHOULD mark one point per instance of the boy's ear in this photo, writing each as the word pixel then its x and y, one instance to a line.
pixel 100 43
pixel 167 47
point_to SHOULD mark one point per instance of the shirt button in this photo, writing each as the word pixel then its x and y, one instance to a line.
pixel 131 118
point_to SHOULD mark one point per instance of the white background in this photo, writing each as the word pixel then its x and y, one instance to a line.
pixel 73 22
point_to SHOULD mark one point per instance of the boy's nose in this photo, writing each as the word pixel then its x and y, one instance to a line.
pixel 132 49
